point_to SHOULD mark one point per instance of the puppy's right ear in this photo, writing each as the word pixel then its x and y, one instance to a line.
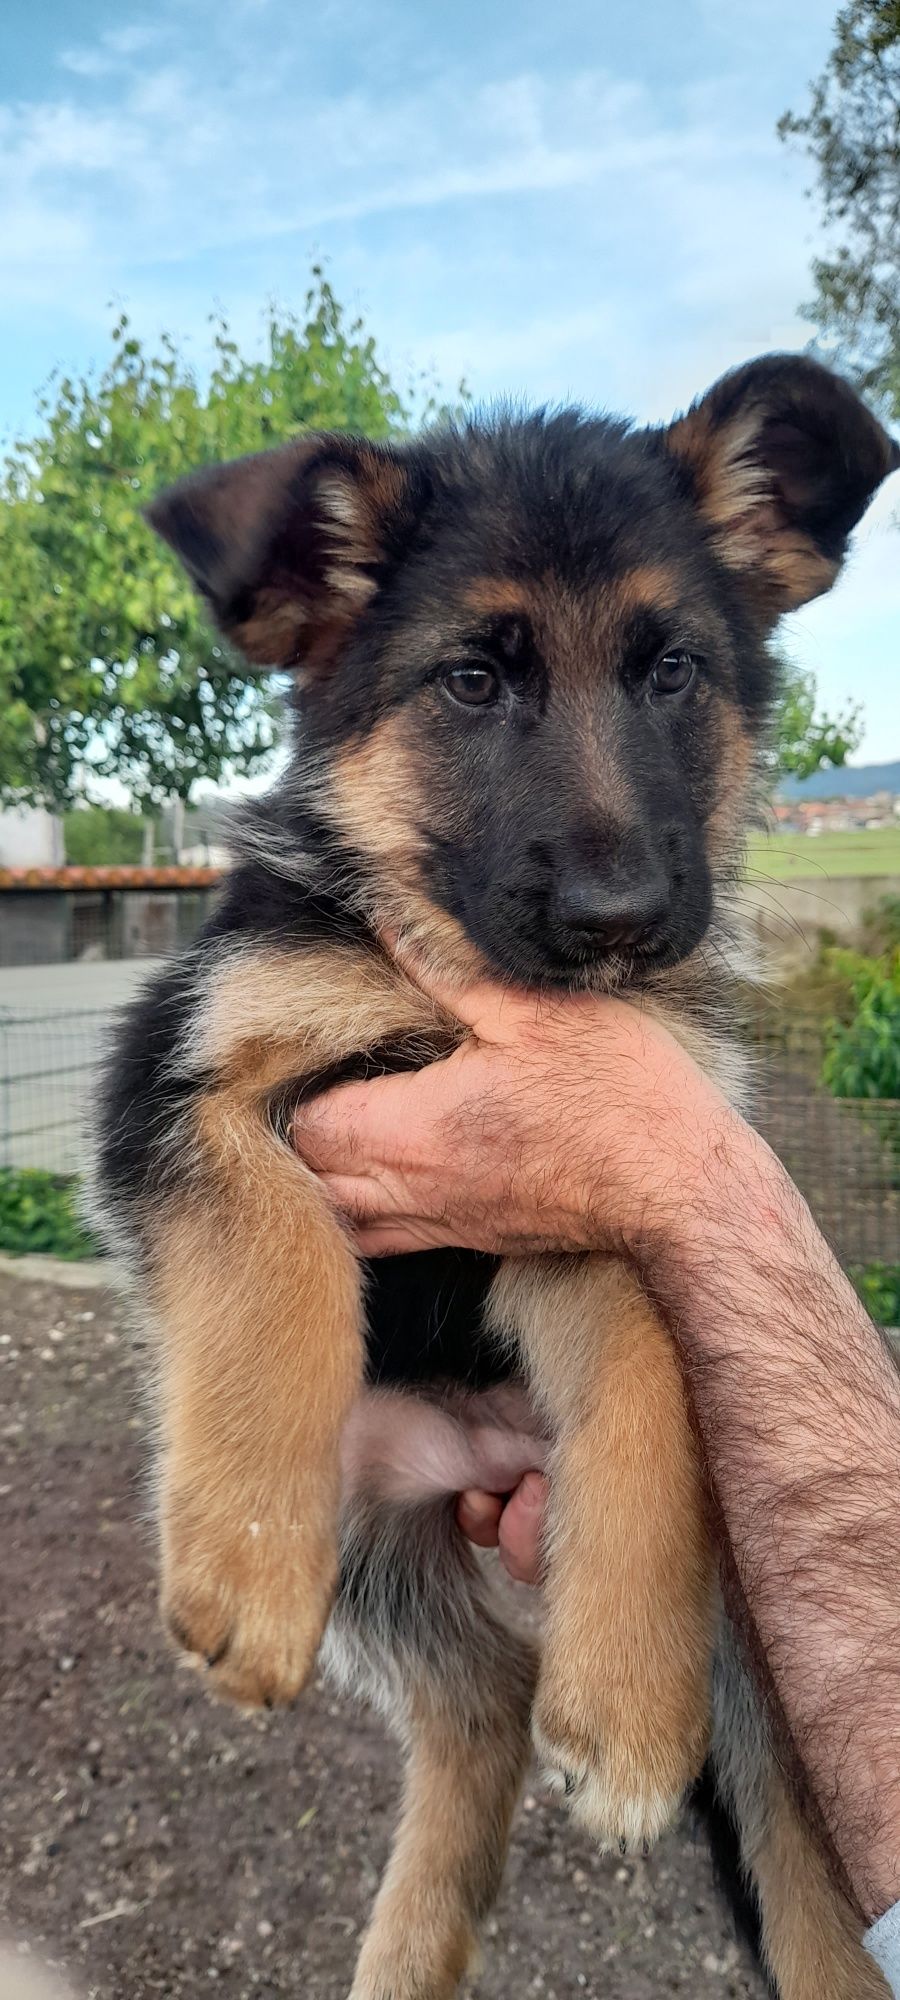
pixel 288 547
pixel 781 459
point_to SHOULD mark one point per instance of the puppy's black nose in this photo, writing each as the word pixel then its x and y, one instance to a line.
pixel 611 911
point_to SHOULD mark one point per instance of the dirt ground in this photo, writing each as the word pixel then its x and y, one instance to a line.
pixel 154 1843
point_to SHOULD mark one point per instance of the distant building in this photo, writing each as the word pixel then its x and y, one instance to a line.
pixel 30 838
pixel 197 833
pixel 841 815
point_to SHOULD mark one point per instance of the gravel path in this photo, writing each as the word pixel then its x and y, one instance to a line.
pixel 152 1843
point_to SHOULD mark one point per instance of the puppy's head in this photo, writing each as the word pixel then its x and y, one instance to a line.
pixel 531 653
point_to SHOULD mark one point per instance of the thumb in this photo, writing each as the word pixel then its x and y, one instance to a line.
pixel 394 1121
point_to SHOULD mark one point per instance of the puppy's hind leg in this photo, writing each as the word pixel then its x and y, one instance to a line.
pixel 414 1632
pixel 812 1938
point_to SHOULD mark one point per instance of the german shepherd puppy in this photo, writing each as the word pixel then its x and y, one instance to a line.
pixel 530 686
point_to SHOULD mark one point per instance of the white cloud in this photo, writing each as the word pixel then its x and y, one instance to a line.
pixel 202 162
pixel 114 50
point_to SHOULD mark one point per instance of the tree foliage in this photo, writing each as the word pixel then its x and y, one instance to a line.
pixel 41 1213
pixel 103 836
pixel 806 739
pixel 878 1286
pixel 107 666
pixel 852 132
pixel 862 1054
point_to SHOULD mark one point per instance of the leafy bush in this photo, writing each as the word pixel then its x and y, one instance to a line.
pixel 881 927
pixel 878 1286
pixel 40 1212
pixel 862 1051
pixel 824 985
pixel 103 836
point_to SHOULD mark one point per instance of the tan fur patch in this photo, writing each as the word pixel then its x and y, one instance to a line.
pixel 624 1694
pixel 812 1939
pixel 355 503
pixel 651 585
pixel 730 481
pixel 274 630
pixel 727 824
pixel 492 596
pixel 374 793
pixel 648 584
pixel 783 567
pixel 801 571
pixel 374 797
pixel 271 1016
pixel 352 536
pixel 447 1857
pixel 256 1288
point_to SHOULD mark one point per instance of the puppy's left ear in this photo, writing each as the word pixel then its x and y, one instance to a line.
pixel 781 458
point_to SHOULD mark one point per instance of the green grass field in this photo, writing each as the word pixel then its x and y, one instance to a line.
pixel 801 855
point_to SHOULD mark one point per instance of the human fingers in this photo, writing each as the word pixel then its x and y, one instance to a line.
pixel 478 1515
pixel 392 1121
pixel 521 1528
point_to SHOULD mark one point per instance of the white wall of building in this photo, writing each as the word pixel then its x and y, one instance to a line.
pixel 30 838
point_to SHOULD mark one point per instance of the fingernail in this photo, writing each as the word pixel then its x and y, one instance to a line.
pixel 479 1506
pixel 532 1490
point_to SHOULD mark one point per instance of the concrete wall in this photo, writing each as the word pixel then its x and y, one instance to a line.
pixel 34 930
pixel 153 924
pixel 30 838
pixel 50 927
pixel 787 919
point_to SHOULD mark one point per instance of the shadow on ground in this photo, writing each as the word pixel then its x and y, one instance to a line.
pixel 153 1843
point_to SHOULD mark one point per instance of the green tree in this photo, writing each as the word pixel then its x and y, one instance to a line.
pixel 852 132
pixel 103 836
pixel 806 740
pixel 107 666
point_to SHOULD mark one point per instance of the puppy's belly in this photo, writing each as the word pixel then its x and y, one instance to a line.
pixel 403 1447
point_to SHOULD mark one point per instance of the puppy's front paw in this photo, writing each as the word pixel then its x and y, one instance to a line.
pixel 622 1765
pixel 249 1599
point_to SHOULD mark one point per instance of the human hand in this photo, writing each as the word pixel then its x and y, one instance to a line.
pixel 513 1525
pixel 567 1122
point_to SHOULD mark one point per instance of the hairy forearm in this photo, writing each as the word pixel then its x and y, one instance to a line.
pixel 798 1405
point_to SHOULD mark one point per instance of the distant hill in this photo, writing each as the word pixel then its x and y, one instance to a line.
pixel 849 781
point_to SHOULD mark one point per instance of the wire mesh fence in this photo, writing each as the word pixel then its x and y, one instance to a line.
pixel 843 1154
pixel 48 1074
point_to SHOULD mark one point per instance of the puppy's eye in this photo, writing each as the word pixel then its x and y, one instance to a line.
pixel 473 687
pixel 673 673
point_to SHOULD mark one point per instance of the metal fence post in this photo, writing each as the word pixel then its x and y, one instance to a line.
pixel 5 1091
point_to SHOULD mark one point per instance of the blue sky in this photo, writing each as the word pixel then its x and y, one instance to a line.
pixel 580 201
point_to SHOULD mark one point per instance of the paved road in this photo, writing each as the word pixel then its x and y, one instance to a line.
pixel 88 984
pixel 53 1022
